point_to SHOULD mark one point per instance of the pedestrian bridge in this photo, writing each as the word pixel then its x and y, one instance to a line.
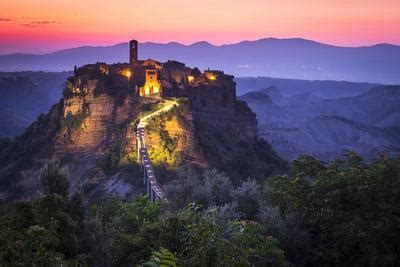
pixel 154 189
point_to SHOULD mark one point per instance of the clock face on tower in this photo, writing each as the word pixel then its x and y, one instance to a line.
pixel 133 45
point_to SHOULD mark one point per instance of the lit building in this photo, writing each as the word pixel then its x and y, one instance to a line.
pixel 146 72
pixel 152 78
pixel 152 84
pixel 213 74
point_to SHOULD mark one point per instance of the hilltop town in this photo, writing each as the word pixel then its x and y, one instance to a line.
pixel 94 130
pixel 150 77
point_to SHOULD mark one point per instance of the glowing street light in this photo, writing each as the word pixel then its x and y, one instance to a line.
pixel 127 73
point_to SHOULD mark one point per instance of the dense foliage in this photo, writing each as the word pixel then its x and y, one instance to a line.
pixel 342 213
pixel 55 230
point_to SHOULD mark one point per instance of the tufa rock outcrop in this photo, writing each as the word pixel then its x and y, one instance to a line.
pixel 92 131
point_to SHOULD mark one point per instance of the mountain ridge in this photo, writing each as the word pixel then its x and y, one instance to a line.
pixel 210 44
pixel 293 58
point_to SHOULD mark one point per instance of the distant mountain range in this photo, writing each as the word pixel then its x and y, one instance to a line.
pixel 285 58
pixel 368 123
pixel 295 87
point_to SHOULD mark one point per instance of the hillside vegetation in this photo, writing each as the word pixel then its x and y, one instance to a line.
pixel 341 213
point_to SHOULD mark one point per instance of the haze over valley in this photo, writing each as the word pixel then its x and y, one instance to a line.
pixel 325 125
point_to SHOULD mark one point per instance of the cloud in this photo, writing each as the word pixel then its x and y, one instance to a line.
pixel 41 23
pixel 5 19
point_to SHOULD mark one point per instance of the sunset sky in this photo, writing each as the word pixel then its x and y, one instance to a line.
pixel 41 26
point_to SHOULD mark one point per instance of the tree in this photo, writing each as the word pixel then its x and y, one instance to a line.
pixel 248 197
pixel 161 258
pixel 54 179
pixel 258 248
pixel 349 209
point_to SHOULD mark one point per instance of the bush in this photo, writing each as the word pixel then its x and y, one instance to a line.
pixel 73 122
pixel 44 232
pixel 54 179
pixel 111 159
pixel 349 209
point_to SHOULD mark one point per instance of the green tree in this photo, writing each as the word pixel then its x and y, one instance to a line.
pixel 161 258
pixel 258 248
pixel 54 179
pixel 349 209
pixel 248 196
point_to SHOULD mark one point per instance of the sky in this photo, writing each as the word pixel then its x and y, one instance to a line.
pixel 41 26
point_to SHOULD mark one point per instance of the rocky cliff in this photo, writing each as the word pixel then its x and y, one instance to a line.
pixel 92 129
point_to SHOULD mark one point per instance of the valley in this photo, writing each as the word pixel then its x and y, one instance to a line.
pixel 367 123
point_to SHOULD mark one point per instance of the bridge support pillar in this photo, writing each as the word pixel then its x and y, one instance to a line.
pixel 148 187
pixel 152 195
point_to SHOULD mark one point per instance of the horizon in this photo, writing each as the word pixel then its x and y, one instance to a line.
pixel 196 42
pixel 67 24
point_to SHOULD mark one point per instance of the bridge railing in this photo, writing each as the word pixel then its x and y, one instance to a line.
pixel 154 189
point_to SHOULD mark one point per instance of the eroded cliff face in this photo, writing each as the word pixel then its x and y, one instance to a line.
pixel 214 103
pixel 95 132
pixel 96 122
pixel 100 119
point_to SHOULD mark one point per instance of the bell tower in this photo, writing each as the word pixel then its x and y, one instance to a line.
pixel 133 51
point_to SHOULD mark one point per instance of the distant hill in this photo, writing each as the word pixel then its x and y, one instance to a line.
pixel 287 58
pixel 368 123
pixel 290 87
pixel 25 95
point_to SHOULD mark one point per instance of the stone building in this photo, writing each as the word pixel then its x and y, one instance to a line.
pixel 150 77
pixel 145 73
pixel 152 84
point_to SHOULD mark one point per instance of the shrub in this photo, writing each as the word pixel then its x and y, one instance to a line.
pixel 54 179
pixel 111 159
pixel 349 209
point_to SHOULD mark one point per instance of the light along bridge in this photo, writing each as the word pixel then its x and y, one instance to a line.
pixel 154 189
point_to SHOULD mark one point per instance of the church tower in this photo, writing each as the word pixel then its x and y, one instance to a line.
pixel 133 51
